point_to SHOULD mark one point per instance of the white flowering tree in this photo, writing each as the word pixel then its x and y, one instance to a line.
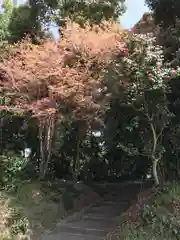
pixel 140 68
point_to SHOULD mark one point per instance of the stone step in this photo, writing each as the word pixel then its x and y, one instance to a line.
pixel 67 236
pixel 102 208
pixel 104 211
pixel 98 220
pixel 105 224
pixel 81 230
pixel 97 217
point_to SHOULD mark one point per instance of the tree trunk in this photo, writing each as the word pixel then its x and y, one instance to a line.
pixel 155 174
pixel 154 159
pixel 76 162
pixel 46 134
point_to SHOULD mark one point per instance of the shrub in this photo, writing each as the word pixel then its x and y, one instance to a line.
pixel 10 168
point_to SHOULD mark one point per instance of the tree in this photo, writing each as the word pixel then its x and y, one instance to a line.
pixel 81 12
pixel 37 16
pixel 4 20
pixel 166 12
pixel 58 81
pixel 92 12
pixel 166 16
pixel 140 71
pixel 16 22
pixel 21 23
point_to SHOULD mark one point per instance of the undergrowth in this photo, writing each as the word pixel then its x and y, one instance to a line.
pixel 28 208
pixel 156 216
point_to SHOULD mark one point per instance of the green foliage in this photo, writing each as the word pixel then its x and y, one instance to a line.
pixel 18 224
pixel 93 12
pixel 141 67
pixel 18 21
pixel 35 17
pixel 4 21
pixel 6 5
pixel 21 23
pixel 166 12
pixel 158 216
pixel 159 212
pixel 10 167
pixel 81 12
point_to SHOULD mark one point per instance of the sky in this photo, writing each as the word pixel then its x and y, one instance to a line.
pixel 134 12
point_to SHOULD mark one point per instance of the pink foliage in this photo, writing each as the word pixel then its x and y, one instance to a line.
pixel 67 71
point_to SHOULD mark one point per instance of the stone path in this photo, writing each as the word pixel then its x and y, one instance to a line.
pixel 100 218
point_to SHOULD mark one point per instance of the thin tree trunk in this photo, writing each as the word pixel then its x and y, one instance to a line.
pixel 41 139
pixel 48 128
pixel 76 162
pixel 155 174
pixel 154 159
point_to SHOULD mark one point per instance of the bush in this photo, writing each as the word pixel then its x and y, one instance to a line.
pixel 157 216
pixel 10 168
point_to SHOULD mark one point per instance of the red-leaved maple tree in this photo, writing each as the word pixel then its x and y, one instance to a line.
pixel 55 79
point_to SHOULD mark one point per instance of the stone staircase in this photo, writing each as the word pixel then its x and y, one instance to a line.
pixel 100 218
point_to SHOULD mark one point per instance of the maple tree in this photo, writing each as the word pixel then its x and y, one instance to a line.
pixel 55 80
pixel 69 69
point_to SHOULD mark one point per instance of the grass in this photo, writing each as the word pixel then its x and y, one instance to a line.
pixel 156 216
pixel 31 208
